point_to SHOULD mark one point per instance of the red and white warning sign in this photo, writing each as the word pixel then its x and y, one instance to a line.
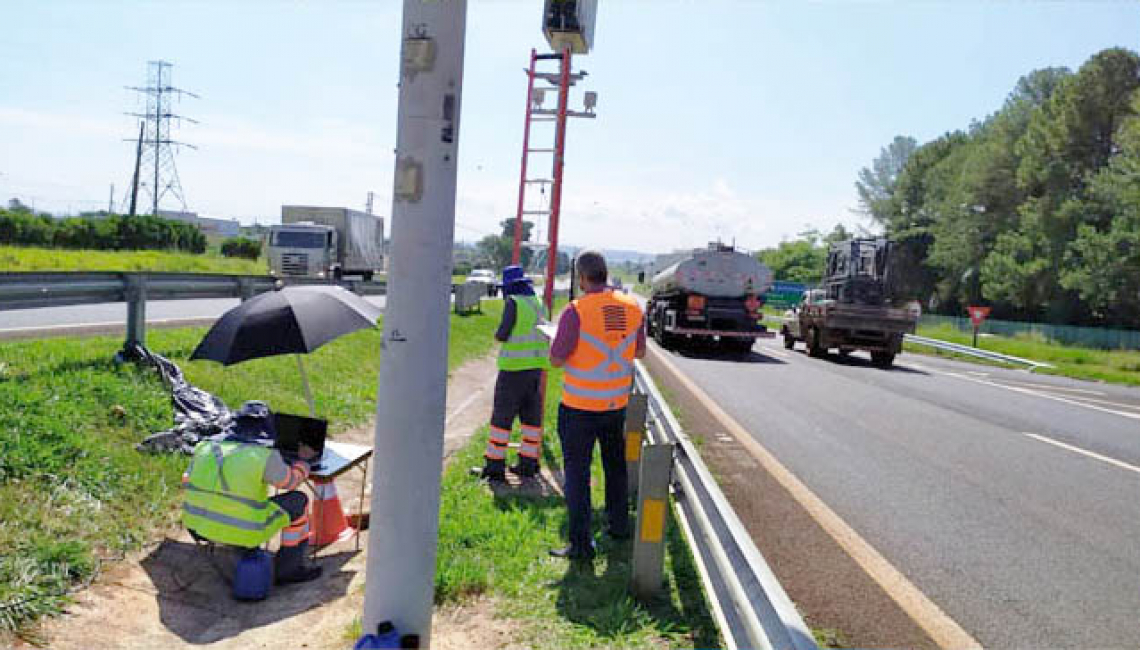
pixel 978 315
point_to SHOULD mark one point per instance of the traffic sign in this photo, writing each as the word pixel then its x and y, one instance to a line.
pixel 978 315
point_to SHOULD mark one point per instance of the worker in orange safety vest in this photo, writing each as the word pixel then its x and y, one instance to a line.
pixel 598 337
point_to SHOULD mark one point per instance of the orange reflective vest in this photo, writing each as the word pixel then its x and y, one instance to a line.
pixel 599 373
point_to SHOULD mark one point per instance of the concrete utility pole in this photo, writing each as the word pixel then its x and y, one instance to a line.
pixel 411 399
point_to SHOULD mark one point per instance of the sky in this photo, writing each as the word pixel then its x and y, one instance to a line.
pixel 740 120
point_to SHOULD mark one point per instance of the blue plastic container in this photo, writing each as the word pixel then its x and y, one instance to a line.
pixel 253 575
pixel 386 637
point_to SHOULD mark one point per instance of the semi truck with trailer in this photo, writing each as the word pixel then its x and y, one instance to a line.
pixel 853 308
pixel 320 242
pixel 712 296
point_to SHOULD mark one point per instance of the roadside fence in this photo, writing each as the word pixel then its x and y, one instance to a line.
pixel 1090 337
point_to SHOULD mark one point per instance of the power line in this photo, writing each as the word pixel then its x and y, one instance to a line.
pixel 155 171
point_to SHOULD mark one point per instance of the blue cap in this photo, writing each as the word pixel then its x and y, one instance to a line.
pixel 513 274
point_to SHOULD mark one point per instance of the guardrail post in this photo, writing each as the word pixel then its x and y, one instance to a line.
pixel 135 295
pixel 635 420
pixel 652 510
pixel 245 288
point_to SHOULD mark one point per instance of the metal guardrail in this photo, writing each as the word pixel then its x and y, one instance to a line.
pixel 749 604
pixel 61 289
pixel 975 352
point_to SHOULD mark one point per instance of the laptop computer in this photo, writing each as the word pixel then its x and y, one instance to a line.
pixel 295 430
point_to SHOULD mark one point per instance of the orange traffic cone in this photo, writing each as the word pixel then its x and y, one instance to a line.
pixel 329 523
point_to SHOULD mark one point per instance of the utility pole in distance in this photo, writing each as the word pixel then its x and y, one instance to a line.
pixel 411 399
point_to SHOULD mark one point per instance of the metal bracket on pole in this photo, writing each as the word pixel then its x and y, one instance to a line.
pixel 135 295
pixel 635 422
pixel 652 512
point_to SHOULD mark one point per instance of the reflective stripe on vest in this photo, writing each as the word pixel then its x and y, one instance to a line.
pixel 227 498
pixel 526 348
pixel 598 373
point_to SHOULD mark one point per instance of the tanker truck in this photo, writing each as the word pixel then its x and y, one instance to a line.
pixel 713 296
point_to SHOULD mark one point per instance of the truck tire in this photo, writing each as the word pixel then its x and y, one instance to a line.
pixel 740 347
pixel 367 275
pixel 337 274
pixel 883 359
pixel 789 340
pixel 815 345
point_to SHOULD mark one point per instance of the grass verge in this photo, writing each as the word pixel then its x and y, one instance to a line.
pixel 30 258
pixel 1113 366
pixel 74 492
pixel 497 546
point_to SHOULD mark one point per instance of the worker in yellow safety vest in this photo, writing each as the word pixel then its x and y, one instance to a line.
pixel 522 359
pixel 227 501
pixel 598 337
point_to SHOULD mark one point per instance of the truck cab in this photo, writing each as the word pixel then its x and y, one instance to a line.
pixel 303 250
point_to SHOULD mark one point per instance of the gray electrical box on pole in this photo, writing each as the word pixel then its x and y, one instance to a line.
pixel 413 370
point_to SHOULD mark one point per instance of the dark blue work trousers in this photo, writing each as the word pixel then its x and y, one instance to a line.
pixel 577 430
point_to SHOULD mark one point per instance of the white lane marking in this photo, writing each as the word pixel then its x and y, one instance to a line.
pixel 774 351
pixel 1050 387
pixel 978 374
pixel 1134 407
pixel 1085 452
pixel 1056 398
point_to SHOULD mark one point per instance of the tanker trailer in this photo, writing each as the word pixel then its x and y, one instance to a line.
pixel 712 296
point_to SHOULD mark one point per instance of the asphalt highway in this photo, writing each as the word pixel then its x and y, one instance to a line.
pixel 1009 499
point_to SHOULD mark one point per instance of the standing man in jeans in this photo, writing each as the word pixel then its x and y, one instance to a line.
pixel 599 336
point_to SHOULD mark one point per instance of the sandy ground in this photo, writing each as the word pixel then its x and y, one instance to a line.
pixel 169 596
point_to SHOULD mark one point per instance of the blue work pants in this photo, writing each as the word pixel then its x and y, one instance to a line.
pixel 577 430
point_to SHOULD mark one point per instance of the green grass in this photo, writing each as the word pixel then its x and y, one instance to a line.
pixel 1114 366
pixel 498 546
pixel 27 258
pixel 73 489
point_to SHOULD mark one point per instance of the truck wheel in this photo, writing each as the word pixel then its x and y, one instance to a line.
pixel 789 340
pixel 338 275
pixel 367 275
pixel 883 359
pixel 814 345
pixel 741 347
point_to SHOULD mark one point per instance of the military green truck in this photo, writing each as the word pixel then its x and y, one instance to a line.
pixel 853 308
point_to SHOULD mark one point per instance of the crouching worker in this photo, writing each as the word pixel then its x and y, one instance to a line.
pixel 227 502
pixel 522 359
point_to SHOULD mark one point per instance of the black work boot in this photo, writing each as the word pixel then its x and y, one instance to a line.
pixel 526 467
pixel 291 565
pixel 494 470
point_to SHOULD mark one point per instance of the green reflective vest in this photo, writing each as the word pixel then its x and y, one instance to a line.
pixel 527 348
pixel 226 497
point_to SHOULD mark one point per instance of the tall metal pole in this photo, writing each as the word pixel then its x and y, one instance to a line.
pixel 412 393
pixel 157 132
pixel 138 162
pixel 516 251
pixel 556 191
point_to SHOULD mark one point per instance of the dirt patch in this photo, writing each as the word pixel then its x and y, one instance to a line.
pixel 831 591
pixel 170 595
pixel 473 625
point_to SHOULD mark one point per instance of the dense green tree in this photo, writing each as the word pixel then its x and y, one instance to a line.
pixel 1033 209
pixel 876 184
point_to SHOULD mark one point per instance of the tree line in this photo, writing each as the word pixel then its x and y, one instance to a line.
pixel 20 226
pixel 1034 210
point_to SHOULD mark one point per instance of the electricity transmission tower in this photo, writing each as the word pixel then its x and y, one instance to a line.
pixel 155 173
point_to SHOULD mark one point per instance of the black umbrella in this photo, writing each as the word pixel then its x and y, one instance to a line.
pixel 294 320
